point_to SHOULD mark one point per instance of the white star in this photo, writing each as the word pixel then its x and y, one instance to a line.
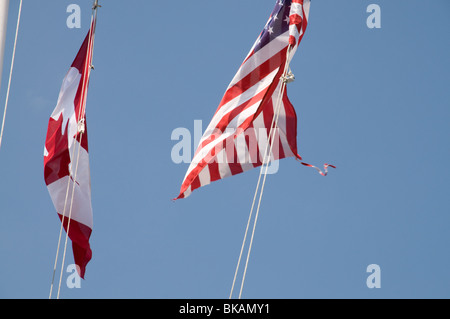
pixel 270 30
pixel 287 20
pixel 275 18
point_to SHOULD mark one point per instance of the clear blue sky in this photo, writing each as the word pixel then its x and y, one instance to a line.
pixel 374 102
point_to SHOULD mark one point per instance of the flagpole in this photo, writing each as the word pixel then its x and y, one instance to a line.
pixel 4 6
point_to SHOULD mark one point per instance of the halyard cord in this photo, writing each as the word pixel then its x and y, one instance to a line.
pixel 81 114
pixel 286 78
pixel 10 74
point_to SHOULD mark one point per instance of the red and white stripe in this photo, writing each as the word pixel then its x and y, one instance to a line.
pixel 299 11
pixel 66 158
pixel 238 133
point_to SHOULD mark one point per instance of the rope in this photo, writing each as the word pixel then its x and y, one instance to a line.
pixel 81 115
pixel 10 73
pixel 285 78
pixel 70 217
pixel 60 233
pixel 245 236
pixel 81 127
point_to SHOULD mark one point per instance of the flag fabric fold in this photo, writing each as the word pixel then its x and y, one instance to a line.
pixel 66 157
pixel 238 134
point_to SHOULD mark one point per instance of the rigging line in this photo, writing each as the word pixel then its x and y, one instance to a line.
pixel 251 212
pixel 65 207
pixel 257 210
pixel 81 112
pixel 65 203
pixel 251 209
pixel 254 198
pixel 10 73
pixel 245 236
pixel 88 65
pixel 60 232
pixel 258 183
pixel 70 216
pixel 267 156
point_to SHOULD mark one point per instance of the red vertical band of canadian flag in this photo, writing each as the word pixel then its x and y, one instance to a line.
pixel 66 158
pixel 238 135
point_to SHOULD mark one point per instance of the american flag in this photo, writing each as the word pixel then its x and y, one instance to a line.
pixel 239 132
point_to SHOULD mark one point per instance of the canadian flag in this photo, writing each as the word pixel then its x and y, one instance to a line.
pixel 66 158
